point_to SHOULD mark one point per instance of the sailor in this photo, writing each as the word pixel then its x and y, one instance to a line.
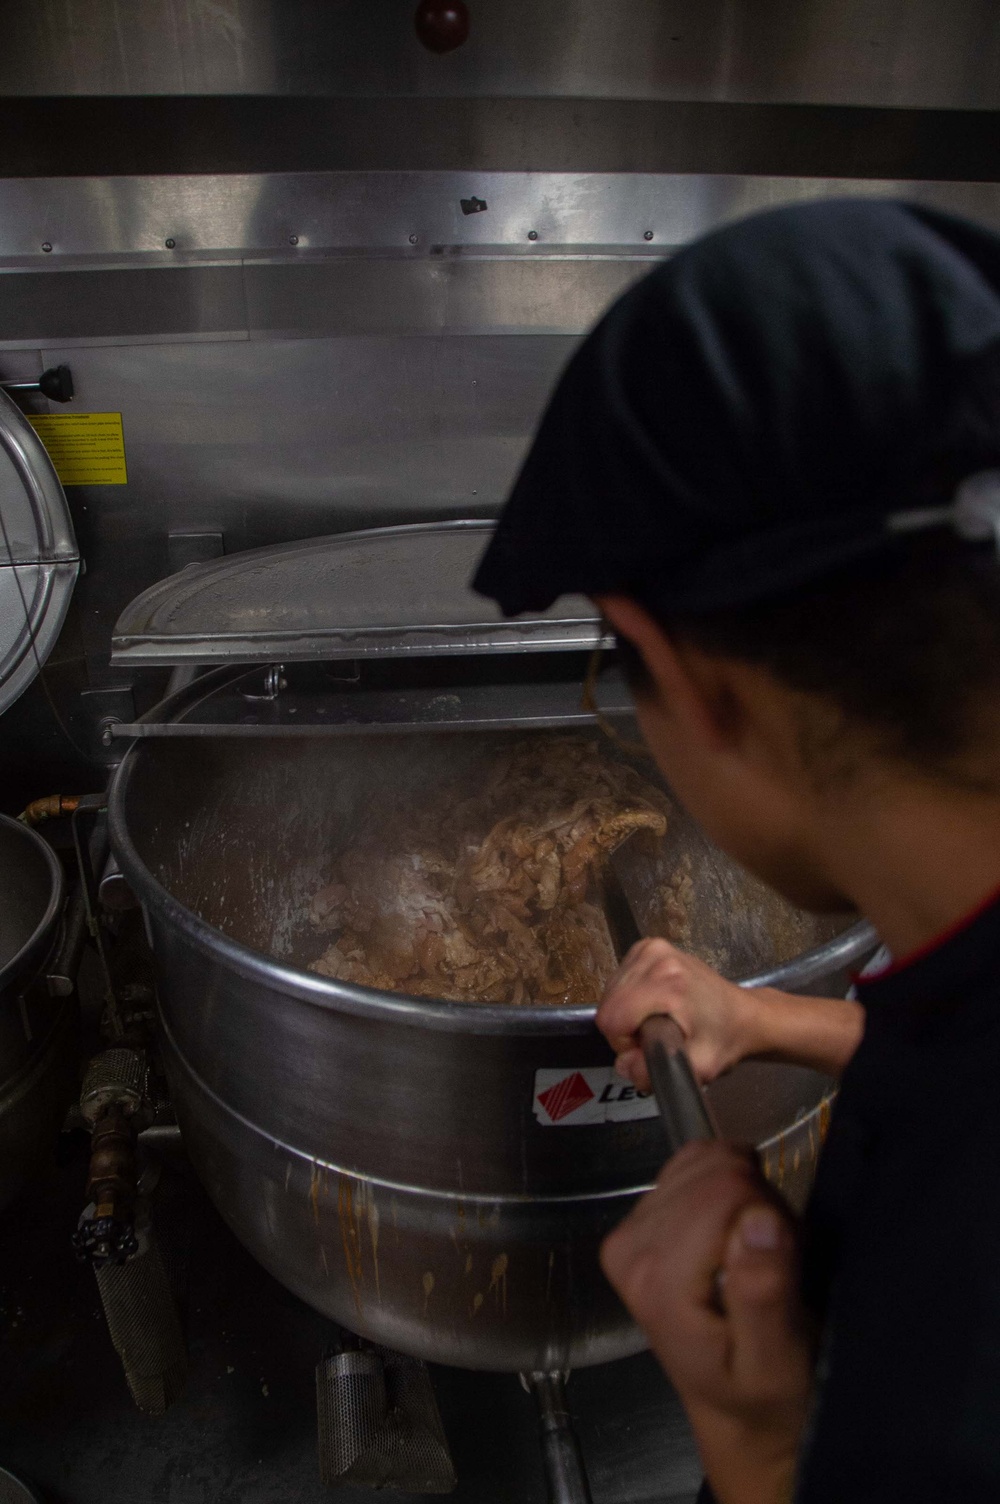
pixel 775 466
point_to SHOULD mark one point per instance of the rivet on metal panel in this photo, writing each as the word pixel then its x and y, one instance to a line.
pixel 293 240
pixel 413 239
pixel 170 243
pixel 532 234
pixel 648 235
pixel 46 245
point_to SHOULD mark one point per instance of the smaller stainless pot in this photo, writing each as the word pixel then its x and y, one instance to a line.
pixel 37 1031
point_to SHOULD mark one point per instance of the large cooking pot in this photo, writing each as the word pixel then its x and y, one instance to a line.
pixel 386 1157
pixel 37 1032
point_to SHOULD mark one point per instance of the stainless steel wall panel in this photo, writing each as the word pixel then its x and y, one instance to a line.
pixel 444 295
pixel 105 223
pixel 99 217
pixel 39 307
pixel 106 215
pixel 899 52
pixel 412 398
pixel 409 401
pixel 274 440
pixel 355 271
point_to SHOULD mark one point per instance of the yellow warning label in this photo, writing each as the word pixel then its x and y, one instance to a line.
pixel 87 449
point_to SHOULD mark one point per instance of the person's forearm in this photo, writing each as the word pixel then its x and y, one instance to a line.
pixel 821 1032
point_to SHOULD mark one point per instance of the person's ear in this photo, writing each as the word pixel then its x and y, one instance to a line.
pixel 687 688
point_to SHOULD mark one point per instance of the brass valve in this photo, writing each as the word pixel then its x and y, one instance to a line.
pixel 112 1100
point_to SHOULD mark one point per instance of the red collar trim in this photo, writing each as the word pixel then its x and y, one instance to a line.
pixel 929 946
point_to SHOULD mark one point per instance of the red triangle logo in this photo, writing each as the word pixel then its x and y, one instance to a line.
pixel 566 1096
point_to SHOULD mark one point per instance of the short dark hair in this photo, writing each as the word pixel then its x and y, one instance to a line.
pixel 907 643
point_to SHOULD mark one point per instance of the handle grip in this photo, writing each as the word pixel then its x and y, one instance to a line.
pixel 683 1108
pixel 56 383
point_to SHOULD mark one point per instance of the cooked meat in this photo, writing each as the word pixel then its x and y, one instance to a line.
pixel 486 899
pixel 676 904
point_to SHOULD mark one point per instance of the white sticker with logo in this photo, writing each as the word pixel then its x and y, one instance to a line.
pixel 573 1098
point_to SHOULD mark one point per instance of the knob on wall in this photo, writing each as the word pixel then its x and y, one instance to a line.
pixel 55 383
pixel 442 25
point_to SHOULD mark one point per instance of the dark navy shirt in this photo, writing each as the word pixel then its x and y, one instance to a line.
pixel 902 1250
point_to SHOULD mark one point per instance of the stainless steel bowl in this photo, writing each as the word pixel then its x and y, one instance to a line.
pixel 37 1032
pixel 379 1154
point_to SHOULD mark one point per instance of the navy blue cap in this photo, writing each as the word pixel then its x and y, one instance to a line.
pixel 749 415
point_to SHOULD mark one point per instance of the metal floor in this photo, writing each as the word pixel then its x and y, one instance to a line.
pixel 244 1430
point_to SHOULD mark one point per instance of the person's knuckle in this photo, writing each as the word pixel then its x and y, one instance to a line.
pixel 622 996
pixel 716 1152
pixel 666 956
pixel 665 976
pixel 726 1192
pixel 615 1024
pixel 764 1285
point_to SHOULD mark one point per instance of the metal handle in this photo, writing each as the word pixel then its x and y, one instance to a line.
pixel 682 1104
pixel 55 383
pixel 564 1466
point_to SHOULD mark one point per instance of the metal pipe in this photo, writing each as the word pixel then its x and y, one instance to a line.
pixel 113 891
pixel 183 675
pixel 49 807
pixel 90 856
pixel 164 1140
pixel 564 1466
pixel 62 969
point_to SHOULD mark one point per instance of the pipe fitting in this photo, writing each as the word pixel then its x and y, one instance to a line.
pixel 49 807
pixel 116 1079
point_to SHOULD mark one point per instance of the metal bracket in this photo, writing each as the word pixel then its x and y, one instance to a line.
pixel 274 683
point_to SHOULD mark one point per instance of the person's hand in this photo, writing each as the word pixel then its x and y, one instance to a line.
pixel 707 1265
pixel 716 1017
